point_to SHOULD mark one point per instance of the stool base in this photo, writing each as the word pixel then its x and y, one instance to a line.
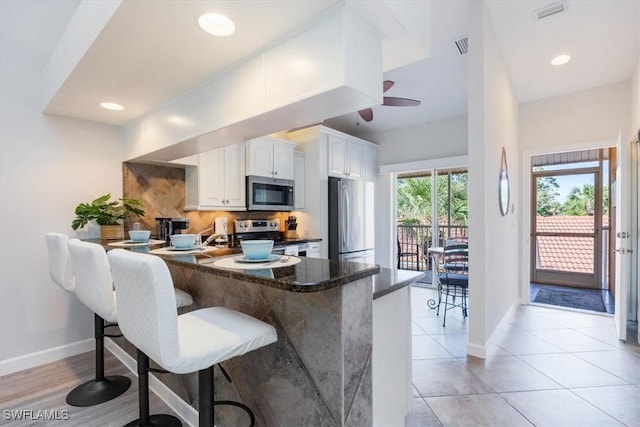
pixel 95 392
pixel 161 420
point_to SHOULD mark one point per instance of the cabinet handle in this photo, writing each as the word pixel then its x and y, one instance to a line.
pixel 275 173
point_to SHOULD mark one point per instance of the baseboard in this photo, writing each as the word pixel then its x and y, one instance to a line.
pixel 32 360
pixel 480 350
pixel 187 412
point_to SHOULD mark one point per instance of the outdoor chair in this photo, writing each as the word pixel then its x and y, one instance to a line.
pixel 454 279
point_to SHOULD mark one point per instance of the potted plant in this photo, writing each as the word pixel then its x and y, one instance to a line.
pixel 107 214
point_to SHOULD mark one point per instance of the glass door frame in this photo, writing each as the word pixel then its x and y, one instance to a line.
pixel 586 280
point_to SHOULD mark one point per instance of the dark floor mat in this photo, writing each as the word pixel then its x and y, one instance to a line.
pixel 584 300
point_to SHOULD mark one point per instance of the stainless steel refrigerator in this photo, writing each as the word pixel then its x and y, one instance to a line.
pixel 351 226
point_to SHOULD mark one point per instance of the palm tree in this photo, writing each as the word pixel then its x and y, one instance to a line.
pixel 546 196
pixel 581 201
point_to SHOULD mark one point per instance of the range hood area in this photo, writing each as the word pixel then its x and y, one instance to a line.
pixel 331 65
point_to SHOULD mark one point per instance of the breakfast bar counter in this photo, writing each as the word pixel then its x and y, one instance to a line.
pixel 319 372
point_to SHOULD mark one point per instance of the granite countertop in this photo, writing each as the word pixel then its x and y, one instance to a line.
pixel 390 280
pixel 309 275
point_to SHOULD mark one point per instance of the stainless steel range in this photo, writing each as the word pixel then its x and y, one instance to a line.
pixel 256 229
pixel 266 229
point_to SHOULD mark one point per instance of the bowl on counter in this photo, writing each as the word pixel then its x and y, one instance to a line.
pixel 183 241
pixel 256 249
pixel 139 235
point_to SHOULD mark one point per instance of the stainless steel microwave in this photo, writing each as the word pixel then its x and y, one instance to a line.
pixel 269 194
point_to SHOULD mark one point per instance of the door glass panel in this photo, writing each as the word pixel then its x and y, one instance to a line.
pixel 565 203
pixel 564 253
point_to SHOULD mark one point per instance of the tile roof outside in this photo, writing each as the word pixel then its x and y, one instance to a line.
pixel 561 253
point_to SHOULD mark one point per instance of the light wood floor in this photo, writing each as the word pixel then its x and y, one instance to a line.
pixel 45 388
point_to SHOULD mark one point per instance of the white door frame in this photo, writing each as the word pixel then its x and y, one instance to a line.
pixel 525 212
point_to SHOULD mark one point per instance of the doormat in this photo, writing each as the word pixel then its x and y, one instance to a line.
pixel 584 300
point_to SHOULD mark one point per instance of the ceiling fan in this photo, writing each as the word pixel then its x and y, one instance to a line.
pixel 391 101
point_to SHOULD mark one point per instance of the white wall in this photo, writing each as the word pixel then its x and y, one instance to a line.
pixel 589 115
pixel 430 140
pixel 493 239
pixel 47 165
pixel 635 101
pixel 576 121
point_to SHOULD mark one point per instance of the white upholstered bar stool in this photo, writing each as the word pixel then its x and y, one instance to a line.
pixel 181 344
pixel 94 288
pixel 101 389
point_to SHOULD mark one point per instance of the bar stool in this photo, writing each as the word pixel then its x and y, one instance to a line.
pixel 94 288
pixel 101 389
pixel 59 261
pixel 181 344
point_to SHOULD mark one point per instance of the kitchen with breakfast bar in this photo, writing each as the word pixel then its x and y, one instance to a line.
pixel 199 212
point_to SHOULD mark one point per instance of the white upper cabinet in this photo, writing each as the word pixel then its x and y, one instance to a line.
pixel 219 180
pixel 345 157
pixel 271 158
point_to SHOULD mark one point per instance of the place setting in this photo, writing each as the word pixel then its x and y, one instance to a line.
pixel 256 254
pixel 137 238
pixel 183 244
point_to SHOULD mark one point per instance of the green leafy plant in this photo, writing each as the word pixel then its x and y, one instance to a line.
pixel 106 212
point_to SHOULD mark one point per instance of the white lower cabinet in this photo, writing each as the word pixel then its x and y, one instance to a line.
pixel 314 250
pixel 218 182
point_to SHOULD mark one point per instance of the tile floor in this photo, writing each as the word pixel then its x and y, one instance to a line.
pixel 547 367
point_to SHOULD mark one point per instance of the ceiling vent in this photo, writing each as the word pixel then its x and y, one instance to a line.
pixel 549 10
pixel 462 44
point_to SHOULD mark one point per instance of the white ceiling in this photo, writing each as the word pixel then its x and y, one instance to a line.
pixel 152 52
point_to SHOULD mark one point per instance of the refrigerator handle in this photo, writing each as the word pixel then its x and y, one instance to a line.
pixel 346 217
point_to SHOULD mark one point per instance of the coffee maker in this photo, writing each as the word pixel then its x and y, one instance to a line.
pixel 165 227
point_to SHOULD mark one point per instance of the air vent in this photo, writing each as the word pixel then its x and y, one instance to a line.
pixel 552 9
pixel 462 44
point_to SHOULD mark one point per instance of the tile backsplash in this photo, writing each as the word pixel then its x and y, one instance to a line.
pixel 162 190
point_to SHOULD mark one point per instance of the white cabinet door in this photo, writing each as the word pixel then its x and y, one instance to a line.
pixel 283 154
pixel 299 171
pixel 337 156
pixel 354 160
pixel 219 181
pixel 211 178
pixel 234 177
pixel 270 157
pixel 260 157
pixel 313 250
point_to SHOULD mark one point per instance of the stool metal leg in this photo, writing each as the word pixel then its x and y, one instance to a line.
pixel 101 389
pixel 145 419
pixel 205 396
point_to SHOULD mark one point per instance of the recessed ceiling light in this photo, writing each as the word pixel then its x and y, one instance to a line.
pixel 111 106
pixel 216 24
pixel 560 60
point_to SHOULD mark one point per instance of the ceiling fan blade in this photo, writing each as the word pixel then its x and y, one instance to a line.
pixel 399 102
pixel 366 114
pixel 386 85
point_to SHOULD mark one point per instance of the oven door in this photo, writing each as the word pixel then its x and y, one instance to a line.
pixel 267 194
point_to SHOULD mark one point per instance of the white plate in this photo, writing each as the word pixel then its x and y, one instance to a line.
pixel 192 248
pixel 130 243
pixel 243 258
